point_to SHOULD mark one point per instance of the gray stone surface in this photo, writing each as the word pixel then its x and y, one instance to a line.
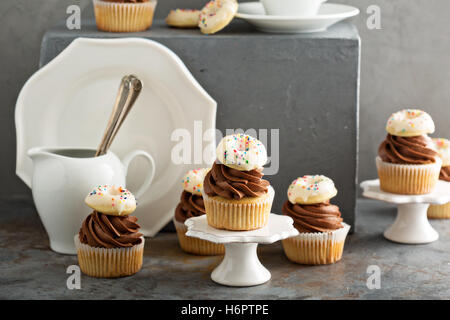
pixel 29 270
pixel 304 85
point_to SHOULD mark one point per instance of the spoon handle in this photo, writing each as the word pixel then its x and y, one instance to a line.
pixel 135 86
pixel 122 95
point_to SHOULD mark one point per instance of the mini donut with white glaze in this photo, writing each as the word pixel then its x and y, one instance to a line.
pixel 183 18
pixel 216 15
pixel 311 189
pixel 241 152
pixel 410 123
pixel 443 148
pixel 111 200
pixel 193 180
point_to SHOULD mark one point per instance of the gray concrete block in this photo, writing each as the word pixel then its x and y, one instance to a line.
pixel 305 85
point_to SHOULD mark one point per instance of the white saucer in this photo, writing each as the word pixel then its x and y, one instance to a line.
pixel 68 102
pixel 329 14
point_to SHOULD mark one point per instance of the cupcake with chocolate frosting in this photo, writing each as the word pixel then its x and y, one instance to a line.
pixel 109 243
pixel 192 205
pixel 236 195
pixel 407 161
pixel 443 148
pixel 124 15
pixel 322 231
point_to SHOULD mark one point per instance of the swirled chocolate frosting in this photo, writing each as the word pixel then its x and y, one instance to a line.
pixel 321 217
pixel 230 183
pixel 104 231
pixel 191 205
pixel 407 150
pixel 445 173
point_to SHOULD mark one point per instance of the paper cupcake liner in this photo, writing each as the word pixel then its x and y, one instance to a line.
pixel 109 263
pixel 316 248
pixel 124 17
pixel 439 211
pixel 235 216
pixel 195 245
pixel 407 178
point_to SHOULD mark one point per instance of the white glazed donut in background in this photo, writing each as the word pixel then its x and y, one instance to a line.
pixel 112 200
pixel 216 15
pixel 443 148
pixel 311 189
pixel 241 152
pixel 183 18
pixel 193 180
pixel 410 123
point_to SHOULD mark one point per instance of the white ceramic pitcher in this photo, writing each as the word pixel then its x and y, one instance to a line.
pixel 62 178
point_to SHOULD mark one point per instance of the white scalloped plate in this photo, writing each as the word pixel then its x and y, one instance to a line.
pixel 68 103
pixel 440 194
pixel 278 228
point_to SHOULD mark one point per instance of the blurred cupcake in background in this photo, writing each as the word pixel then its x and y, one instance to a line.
pixel 407 161
pixel 322 230
pixel 192 205
pixel 443 148
pixel 124 15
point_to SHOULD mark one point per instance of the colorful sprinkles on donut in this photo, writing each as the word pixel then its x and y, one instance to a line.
pixel 193 180
pixel 100 191
pixel 304 182
pixel 124 193
pixel 410 122
pixel 441 142
pixel 245 146
pixel 111 200
pixel 216 15
pixel 318 186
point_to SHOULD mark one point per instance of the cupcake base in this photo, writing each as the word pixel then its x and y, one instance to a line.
pixel 239 215
pixel 316 248
pixel 439 211
pixel 124 17
pixel 407 178
pixel 109 263
pixel 195 245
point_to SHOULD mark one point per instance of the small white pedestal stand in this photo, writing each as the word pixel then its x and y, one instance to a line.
pixel 411 225
pixel 240 266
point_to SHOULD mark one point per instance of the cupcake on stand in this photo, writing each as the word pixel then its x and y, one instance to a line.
pixel 408 168
pixel 238 203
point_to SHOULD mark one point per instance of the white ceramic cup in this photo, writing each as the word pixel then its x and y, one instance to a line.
pixel 292 7
pixel 63 177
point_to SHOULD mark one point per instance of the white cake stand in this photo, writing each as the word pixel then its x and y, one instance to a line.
pixel 240 266
pixel 411 225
